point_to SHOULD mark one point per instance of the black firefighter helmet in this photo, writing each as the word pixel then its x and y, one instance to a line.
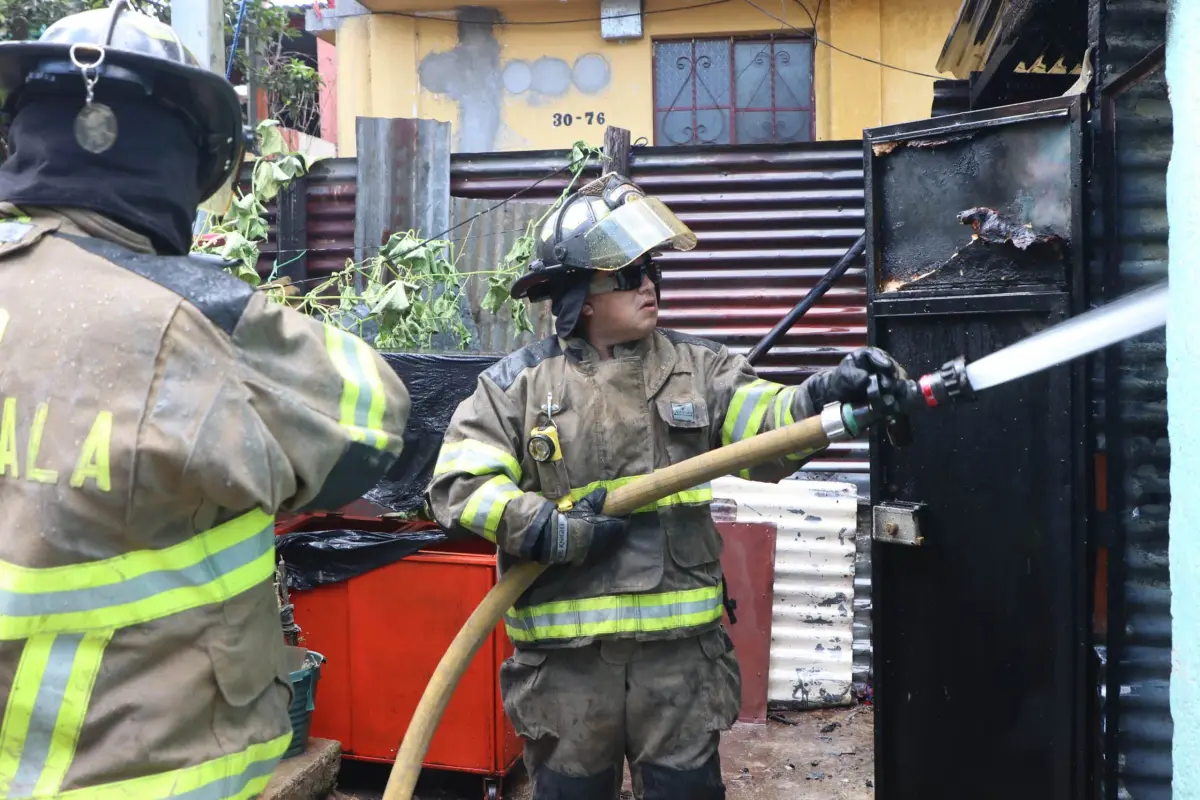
pixel 603 226
pixel 128 52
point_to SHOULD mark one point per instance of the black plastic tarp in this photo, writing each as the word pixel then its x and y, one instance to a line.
pixel 436 384
pixel 316 558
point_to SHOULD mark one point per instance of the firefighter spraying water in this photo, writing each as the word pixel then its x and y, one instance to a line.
pixel 955 381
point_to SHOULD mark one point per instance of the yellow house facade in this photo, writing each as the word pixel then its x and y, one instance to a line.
pixel 538 74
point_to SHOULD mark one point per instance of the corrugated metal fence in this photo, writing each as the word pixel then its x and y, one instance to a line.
pixel 482 242
pixel 325 240
pixel 1133 412
pixel 771 221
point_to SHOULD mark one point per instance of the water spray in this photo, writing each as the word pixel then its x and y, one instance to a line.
pixel 957 381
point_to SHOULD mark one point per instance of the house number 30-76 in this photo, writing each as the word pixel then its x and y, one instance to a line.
pixel 588 118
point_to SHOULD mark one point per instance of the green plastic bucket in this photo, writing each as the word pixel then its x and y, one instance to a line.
pixel 304 696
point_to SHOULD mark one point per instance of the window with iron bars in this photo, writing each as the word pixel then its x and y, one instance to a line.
pixel 733 90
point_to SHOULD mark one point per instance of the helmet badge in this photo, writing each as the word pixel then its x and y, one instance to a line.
pixel 95 124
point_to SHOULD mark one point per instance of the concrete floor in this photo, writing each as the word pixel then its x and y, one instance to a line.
pixel 814 755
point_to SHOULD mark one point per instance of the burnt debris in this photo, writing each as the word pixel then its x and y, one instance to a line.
pixel 1001 251
pixel 989 226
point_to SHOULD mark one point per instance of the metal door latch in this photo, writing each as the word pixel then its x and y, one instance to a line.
pixel 897 523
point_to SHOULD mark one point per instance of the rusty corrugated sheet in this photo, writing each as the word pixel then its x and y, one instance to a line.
pixel 331 203
pixel 771 221
pixel 480 245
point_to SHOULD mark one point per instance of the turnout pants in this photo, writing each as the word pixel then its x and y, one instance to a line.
pixel 662 705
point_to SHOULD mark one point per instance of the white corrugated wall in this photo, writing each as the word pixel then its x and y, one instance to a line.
pixel 812 636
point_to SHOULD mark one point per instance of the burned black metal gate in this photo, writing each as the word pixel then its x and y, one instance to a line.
pixel 980 630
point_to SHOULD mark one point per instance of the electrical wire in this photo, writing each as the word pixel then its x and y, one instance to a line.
pixel 809 34
pixel 489 23
pixel 291 251
pixel 832 46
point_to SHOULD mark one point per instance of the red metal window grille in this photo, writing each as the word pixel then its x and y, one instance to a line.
pixel 731 90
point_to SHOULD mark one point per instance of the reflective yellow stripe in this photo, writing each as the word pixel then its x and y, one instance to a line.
pixel 622 613
pixel 746 410
pixel 18 710
pixel 137 587
pixel 784 401
pixel 697 495
pixel 476 458
pixel 231 777
pixel 486 506
pixel 363 401
pixel 46 707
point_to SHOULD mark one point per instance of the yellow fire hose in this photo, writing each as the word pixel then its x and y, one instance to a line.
pixel 801 437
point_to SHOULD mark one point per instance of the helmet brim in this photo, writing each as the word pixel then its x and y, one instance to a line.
pixel 207 97
pixel 539 284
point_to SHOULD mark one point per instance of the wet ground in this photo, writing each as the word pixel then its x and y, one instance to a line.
pixel 813 755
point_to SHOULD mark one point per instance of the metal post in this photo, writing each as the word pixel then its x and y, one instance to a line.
pixel 616 150
pixel 252 63
pixel 293 230
pixel 809 300
pixel 403 180
pixel 403 184
pixel 201 27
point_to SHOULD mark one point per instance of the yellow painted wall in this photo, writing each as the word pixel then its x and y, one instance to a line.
pixel 379 58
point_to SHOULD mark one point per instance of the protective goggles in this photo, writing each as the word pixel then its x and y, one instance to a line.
pixel 626 279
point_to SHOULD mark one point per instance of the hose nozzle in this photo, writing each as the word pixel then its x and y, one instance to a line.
pixel 948 384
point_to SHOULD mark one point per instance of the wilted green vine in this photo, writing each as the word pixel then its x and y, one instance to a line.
pixel 400 298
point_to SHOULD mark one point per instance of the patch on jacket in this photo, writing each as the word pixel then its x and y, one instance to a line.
pixel 683 412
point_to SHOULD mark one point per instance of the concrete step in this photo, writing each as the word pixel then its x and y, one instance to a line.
pixel 308 776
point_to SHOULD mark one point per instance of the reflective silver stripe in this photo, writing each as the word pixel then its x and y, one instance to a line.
pixel 45 714
pixel 476 458
pixel 584 618
pixel 17 604
pixel 362 404
pixel 752 397
pixel 486 506
pixel 362 408
pixel 231 786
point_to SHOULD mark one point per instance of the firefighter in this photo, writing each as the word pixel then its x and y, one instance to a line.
pixel 155 414
pixel 620 652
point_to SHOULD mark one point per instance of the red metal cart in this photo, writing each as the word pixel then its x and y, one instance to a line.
pixel 383 634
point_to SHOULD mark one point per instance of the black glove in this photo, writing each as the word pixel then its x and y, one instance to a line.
pixel 581 535
pixel 847 382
